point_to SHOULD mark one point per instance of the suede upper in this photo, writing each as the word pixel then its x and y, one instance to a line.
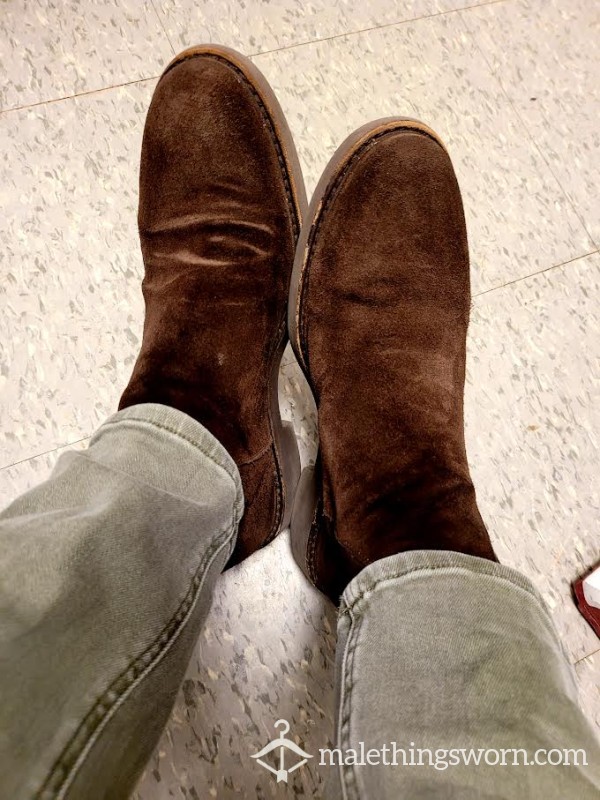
pixel 384 309
pixel 218 224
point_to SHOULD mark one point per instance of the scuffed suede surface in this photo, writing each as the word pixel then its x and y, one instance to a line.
pixel 218 228
pixel 383 322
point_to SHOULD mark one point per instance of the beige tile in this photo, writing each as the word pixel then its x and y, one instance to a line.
pixel 546 53
pixel 52 49
pixel 519 220
pixel 254 27
pixel 71 266
pixel 533 417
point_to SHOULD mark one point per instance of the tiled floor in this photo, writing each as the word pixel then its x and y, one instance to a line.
pixel 513 86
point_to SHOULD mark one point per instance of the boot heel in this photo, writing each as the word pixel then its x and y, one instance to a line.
pixel 303 515
pixel 290 465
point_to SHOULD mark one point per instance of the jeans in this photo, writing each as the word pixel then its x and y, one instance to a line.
pixel 106 576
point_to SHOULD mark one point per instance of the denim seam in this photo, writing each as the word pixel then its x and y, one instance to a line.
pixel 364 593
pixel 348 780
pixel 65 768
pixel 174 432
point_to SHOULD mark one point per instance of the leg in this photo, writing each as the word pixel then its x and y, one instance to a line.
pixel 106 575
pixel 441 651
pixel 439 645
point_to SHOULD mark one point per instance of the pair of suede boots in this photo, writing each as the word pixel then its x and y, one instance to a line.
pixel 372 283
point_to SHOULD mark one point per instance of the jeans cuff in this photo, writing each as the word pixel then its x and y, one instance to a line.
pixel 179 439
pixel 426 565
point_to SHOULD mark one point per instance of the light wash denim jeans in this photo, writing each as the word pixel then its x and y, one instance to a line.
pixel 106 575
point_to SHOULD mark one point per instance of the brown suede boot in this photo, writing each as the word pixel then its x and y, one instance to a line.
pixel 221 199
pixel 378 316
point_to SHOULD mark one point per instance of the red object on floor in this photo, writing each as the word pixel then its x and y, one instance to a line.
pixel 591 614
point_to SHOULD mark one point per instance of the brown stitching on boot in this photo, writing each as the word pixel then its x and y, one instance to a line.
pixel 279 502
pixel 327 530
pixel 63 768
pixel 280 483
pixel 257 457
pixel 311 546
pixel 279 505
pixel 311 549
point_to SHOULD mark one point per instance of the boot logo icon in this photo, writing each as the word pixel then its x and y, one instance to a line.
pixel 282 744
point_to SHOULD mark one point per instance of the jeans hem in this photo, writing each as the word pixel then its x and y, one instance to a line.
pixel 180 426
pixel 425 565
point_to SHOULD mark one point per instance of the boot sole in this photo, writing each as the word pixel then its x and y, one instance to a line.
pixel 307 494
pixel 282 433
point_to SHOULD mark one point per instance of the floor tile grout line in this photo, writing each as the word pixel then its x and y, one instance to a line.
pixel 45 452
pixel 385 25
pixel 565 194
pixel 538 272
pixel 525 127
pixel 357 32
pixel 79 94
pixel 583 658
pixel 162 25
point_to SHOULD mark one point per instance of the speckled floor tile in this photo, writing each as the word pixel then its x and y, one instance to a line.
pixel 272 25
pixel 297 404
pixel 71 266
pixel 519 220
pixel 546 53
pixel 51 49
pixel 533 419
pixel 588 677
